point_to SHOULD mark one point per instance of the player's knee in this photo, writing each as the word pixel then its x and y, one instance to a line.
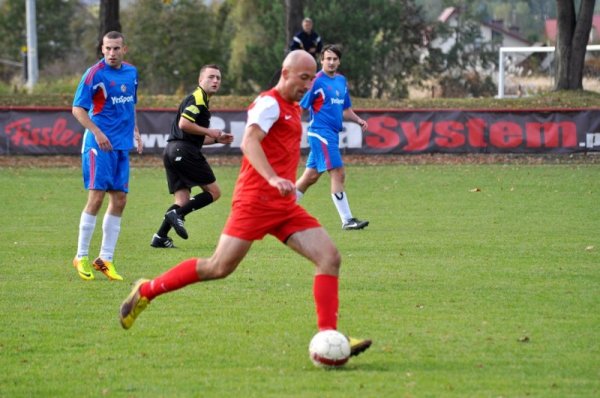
pixel 336 259
pixel 331 261
pixel 213 189
pixel 338 175
pixel 215 193
pixel 309 180
pixel 313 178
pixel 94 203
pixel 120 202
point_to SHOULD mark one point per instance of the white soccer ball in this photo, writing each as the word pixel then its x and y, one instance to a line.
pixel 329 349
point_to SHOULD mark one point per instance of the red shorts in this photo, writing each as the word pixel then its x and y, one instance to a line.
pixel 252 221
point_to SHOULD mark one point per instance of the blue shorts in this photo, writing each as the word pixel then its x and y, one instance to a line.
pixel 324 151
pixel 105 170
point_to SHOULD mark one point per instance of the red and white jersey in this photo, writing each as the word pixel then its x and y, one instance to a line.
pixel 281 121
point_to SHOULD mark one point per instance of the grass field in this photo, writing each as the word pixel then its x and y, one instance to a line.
pixel 472 280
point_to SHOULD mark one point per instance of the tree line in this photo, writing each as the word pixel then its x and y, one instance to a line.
pixel 386 43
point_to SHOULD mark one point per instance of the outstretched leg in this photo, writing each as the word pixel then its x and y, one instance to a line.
pixel 229 253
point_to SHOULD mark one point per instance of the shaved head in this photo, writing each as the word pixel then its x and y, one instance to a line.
pixel 296 58
pixel 297 73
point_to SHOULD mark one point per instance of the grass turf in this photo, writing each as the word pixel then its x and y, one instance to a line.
pixel 472 280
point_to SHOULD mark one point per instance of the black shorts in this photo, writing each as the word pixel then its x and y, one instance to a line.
pixel 186 167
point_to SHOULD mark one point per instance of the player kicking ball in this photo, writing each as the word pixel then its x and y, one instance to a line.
pixel 264 203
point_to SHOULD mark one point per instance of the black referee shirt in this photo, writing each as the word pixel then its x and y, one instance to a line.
pixel 195 109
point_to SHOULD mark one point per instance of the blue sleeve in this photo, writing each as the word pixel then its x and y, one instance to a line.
pixel 307 100
pixel 135 83
pixel 83 94
pixel 347 100
pixel 309 97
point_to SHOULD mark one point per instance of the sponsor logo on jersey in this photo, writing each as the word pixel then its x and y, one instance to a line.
pixel 122 99
pixel 337 101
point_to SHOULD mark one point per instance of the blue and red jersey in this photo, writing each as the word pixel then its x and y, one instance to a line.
pixel 326 101
pixel 110 96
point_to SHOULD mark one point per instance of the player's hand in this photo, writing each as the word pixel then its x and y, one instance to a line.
pixel 103 142
pixel 138 142
pixel 285 187
pixel 224 138
pixel 363 124
pixel 215 134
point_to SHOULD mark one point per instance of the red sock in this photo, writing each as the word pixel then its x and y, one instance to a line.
pixel 325 290
pixel 177 277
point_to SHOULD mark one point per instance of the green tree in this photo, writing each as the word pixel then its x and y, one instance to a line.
pixel 56 36
pixel 380 59
pixel 466 66
pixel 258 44
pixel 382 43
pixel 170 42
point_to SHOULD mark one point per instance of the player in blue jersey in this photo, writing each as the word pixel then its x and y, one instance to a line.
pixel 329 103
pixel 104 104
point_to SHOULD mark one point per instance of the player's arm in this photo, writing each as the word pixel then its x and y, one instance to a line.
pixel 296 43
pixel 252 149
pixel 350 115
pixel 217 136
pixel 84 119
pixel 136 134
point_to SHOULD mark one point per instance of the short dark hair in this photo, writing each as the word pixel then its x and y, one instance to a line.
pixel 334 48
pixel 209 66
pixel 113 34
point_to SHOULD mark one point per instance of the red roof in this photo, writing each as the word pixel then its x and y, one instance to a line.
pixel 449 12
pixel 552 29
pixel 446 14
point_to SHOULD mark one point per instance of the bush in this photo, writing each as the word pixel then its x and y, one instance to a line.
pixel 468 85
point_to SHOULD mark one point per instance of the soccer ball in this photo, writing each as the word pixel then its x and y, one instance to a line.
pixel 329 349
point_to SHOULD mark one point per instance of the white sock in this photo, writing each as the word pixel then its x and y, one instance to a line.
pixel 341 204
pixel 87 224
pixel 111 226
pixel 299 196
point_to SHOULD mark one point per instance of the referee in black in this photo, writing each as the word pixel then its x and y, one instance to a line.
pixel 185 165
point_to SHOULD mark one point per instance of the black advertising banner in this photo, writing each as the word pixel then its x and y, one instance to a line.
pixel 54 131
pixel 43 132
pixel 442 131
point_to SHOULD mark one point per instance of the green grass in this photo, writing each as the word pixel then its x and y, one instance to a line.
pixel 493 293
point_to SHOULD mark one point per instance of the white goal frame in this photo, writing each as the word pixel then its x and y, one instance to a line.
pixel 507 50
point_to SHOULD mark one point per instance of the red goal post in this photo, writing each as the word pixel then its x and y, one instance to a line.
pixel 508 50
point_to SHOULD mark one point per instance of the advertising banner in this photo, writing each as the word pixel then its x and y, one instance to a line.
pixel 54 131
